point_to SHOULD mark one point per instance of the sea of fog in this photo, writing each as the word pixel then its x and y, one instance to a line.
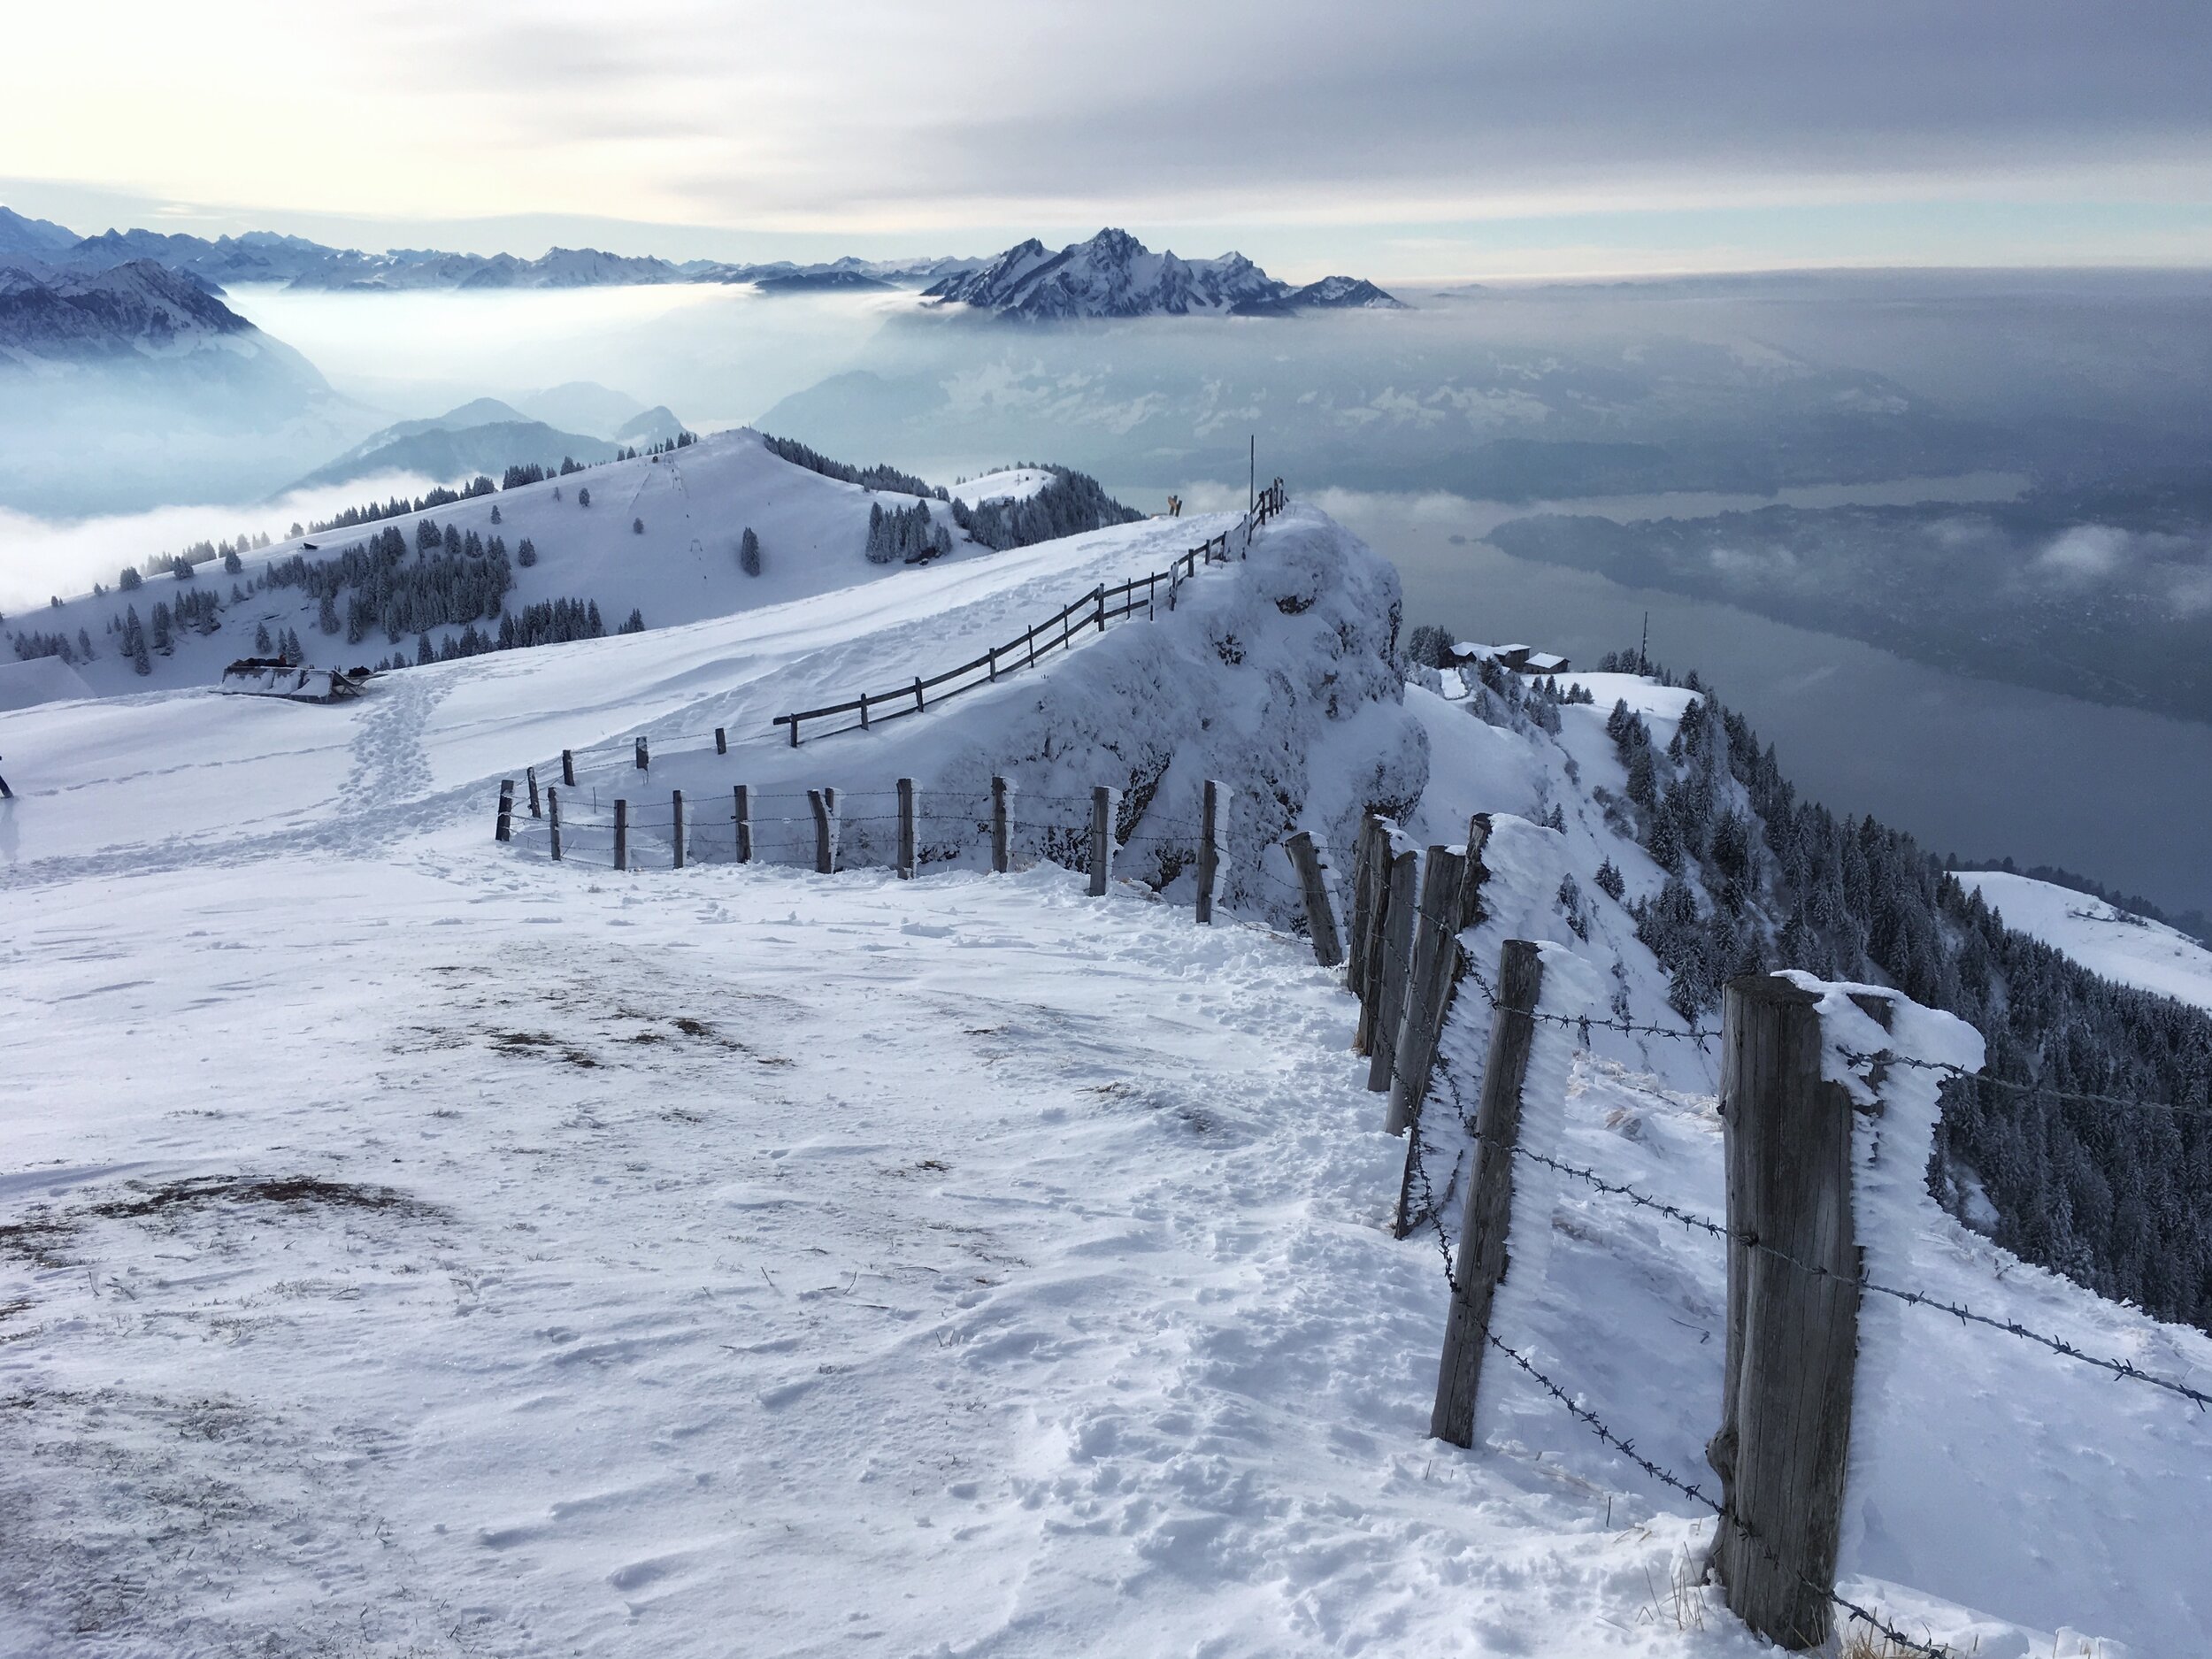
pixel 1966 764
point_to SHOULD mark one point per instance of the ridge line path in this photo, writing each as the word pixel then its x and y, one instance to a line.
pixel 440 1251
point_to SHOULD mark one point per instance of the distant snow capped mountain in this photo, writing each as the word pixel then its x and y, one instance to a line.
pixel 265 257
pixel 1113 274
pixel 41 238
pixel 485 436
pixel 783 276
pixel 1344 293
pixel 51 316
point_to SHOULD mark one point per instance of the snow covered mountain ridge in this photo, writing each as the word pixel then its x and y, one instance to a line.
pixel 137 314
pixel 267 257
pixel 1113 274
pixel 954 1263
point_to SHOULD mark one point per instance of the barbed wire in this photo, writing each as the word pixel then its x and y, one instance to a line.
pixel 1587 1023
pixel 2119 1367
pixel 1735 1522
pixel 2007 1084
pixel 1418 1169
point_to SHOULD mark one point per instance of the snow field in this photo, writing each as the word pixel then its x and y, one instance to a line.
pixel 2103 939
pixel 814 1265
pixel 523 1258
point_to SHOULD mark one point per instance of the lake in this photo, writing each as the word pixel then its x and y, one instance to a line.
pixel 1966 765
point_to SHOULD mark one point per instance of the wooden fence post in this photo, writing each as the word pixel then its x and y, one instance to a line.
pixel 721 741
pixel 1479 1263
pixel 1101 839
pixel 644 761
pixel 676 818
pixel 1450 904
pixel 906 829
pixel 1370 866
pixel 621 834
pixel 568 769
pixel 1328 950
pixel 1001 851
pixel 1434 937
pixel 1792 1336
pixel 503 830
pixel 531 773
pixel 1101 594
pixel 825 852
pixel 1390 969
pixel 1209 849
pixel 919 705
pixel 741 799
pixel 553 819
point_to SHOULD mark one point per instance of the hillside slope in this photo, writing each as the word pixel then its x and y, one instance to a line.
pixel 693 504
pixel 2103 938
pixel 470 1252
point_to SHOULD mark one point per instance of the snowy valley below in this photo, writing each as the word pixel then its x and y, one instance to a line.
pixel 410 1243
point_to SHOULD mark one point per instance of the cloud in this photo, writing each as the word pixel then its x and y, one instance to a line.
pixel 878 113
pixel 40 557
pixel 2085 554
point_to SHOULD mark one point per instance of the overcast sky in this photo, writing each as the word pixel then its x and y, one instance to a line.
pixel 1390 137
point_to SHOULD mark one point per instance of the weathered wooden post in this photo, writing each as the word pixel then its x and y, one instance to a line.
pixel 919 705
pixel 741 799
pixel 621 834
pixel 1390 969
pixel 1479 1263
pixel 1209 848
pixel 825 849
pixel 990 656
pixel 1320 919
pixel 1001 847
pixel 906 829
pixel 553 819
pixel 644 761
pixel 1100 595
pixel 568 769
pixel 1369 990
pixel 1450 904
pixel 531 773
pixel 676 820
pixel 1793 1334
pixel 1433 934
pixel 504 829
pixel 721 741
pixel 1370 867
pixel 1101 839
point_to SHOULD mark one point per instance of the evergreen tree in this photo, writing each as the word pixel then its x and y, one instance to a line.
pixel 526 554
pixel 232 563
pixel 583 496
pixel 261 644
pixel 748 552
pixel 495 512
pixel 636 625
pixel 637 526
pixel 129 579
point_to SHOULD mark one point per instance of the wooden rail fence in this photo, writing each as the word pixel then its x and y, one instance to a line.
pixel 1058 632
